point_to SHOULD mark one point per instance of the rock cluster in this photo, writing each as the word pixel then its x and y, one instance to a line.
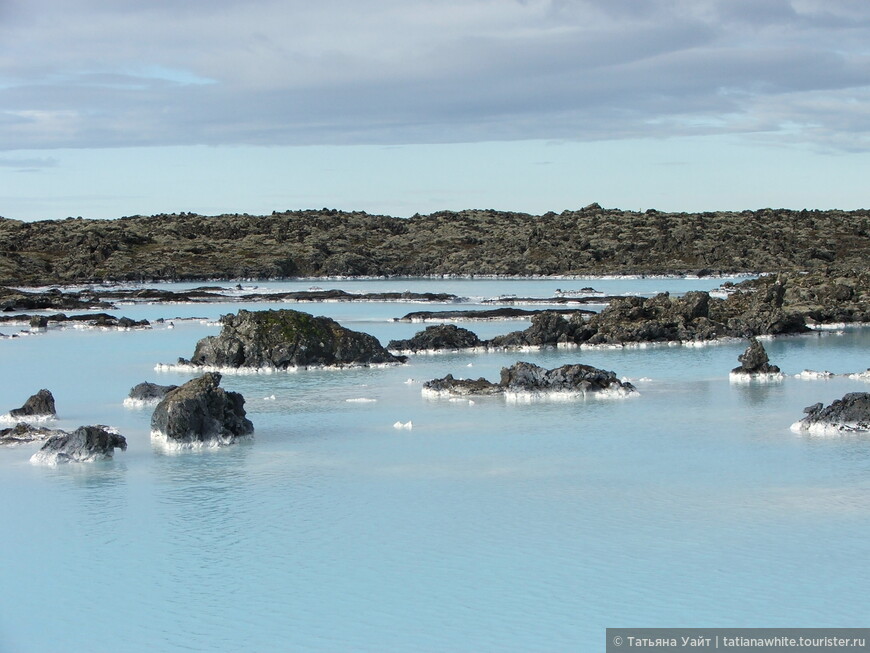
pixel 528 378
pixel 200 413
pixel 22 433
pixel 85 444
pixel 147 393
pixel 285 338
pixel 851 414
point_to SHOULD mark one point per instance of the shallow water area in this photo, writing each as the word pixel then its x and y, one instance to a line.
pixel 490 525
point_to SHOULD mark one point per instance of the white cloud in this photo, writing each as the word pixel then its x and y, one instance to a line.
pixel 101 73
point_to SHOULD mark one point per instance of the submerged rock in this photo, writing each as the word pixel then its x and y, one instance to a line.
pixel 147 393
pixel 433 338
pixel 85 444
pixel 199 413
pixel 851 414
pixel 40 405
pixel 22 433
pixel 285 338
pixel 754 361
pixel 527 378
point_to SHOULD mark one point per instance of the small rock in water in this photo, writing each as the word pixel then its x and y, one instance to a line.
pixel 755 361
pixel 85 444
pixel 39 405
pixel 851 414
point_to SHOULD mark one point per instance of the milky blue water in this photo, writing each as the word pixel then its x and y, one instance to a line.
pixel 490 526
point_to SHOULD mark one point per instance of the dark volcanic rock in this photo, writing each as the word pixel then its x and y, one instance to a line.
pixel 39 405
pixel 22 433
pixel 754 360
pixel 851 414
pixel 547 329
pixel 85 444
pixel 449 385
pixel 146 392
pixel 285 338
pixel 199 413
pixel 508 313
pixel 529 378
pixel 442 336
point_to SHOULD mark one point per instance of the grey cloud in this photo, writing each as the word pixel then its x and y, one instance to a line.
pixel 132 73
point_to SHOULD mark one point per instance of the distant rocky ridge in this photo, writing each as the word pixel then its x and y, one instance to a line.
pixel 589 241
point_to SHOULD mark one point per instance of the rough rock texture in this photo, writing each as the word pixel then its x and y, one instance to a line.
pixel 459 387
pixel 591 240
pixel 505 313
pixel 22 433
pixel 285 338
pixel 568 378
pixel 85 444
pixel 754 360
pixel 527 377
pixel 39 405
pixel 149 392
pixel 846 415
pixel 547 328
pixel 201 413
pixel 442 336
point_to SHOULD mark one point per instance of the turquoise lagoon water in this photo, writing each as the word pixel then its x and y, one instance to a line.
pixel 490 526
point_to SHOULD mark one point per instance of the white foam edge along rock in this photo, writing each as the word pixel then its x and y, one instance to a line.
pixel 9 419
pixel 860 376
pixel 812 375
pixel 243 370
pixel 407 426
pixel 738 378
pixel 524 396
pixel 139 404
pixel 170 445
pixel 829 430
pixel 360 400
pixel 435 352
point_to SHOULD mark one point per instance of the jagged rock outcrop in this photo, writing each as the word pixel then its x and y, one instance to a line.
pixel 85 444
pixel 285 338
pixel 40 406
pixel 528 378
pixel 146 393
pixel 438 337
pixel 851 414
pixel 547 329
pixel 200 413
pixel 754 361
pixel 23 433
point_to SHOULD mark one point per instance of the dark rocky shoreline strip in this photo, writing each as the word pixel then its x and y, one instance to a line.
pixel 509 313
pixel 329 243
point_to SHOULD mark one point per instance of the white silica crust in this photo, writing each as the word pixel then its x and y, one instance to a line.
pixel 360 400
pixel 9 419
pixel 830 430
pixel 530 397
pixel 170 445
pixel 737 377
pixel 140 404
pixel 812 375
pixel 245 371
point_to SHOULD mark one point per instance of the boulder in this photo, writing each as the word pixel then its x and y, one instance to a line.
pixel 199 413
pixel 22 433
pixel 527 378
pixel 285 338
pixel 85 444
pixel 754 361
pixel 40 405
pixel 441 336
pixel 851 414
pixel 147 393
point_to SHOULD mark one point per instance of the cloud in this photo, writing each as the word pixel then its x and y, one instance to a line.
pixel 102 73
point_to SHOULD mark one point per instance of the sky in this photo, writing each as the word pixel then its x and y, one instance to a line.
pixel 123 107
